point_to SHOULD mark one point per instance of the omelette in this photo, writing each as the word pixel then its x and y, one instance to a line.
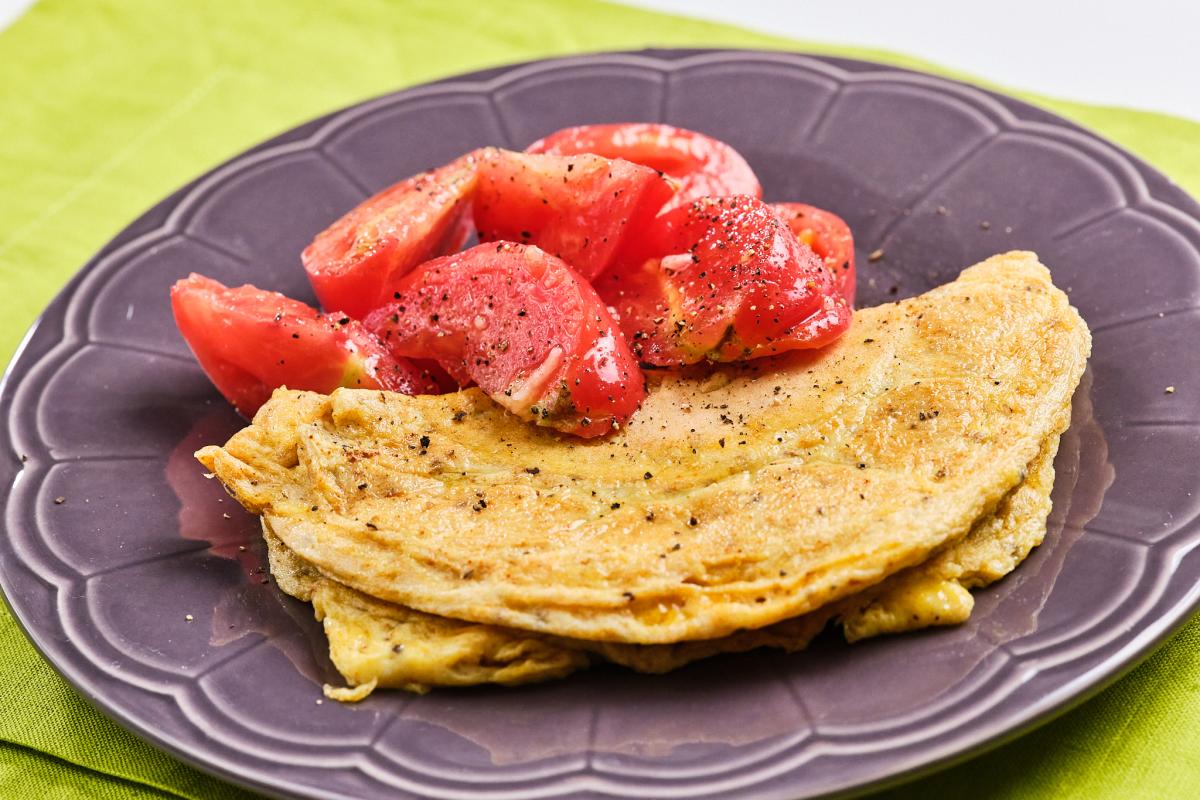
pixel 374 643
pixel 745 505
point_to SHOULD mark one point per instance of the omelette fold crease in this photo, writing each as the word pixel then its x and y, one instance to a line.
pixel 738 497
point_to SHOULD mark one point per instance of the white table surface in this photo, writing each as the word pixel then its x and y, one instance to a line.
pixel 11 9
pixel 1144 54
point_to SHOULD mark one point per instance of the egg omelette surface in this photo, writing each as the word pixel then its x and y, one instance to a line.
pixel 378 644
pixel 738 498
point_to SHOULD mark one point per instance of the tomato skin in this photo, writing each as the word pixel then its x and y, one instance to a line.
pixel 578 208
pixel 703 166
pixel 730 282
pixel 250 342
pixel 828 235
pixel 524 326
pixel 353 263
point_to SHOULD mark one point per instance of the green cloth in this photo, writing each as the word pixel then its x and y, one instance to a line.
pixel 109 105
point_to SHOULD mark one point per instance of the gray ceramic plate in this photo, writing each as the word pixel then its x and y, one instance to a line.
pixel 103 407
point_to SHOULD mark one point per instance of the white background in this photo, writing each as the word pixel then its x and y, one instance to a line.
pixel 1143 54
pixel 10 10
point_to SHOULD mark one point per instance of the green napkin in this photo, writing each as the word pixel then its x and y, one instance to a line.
pixel 109 105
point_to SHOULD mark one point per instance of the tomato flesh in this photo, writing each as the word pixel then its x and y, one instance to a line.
pixel 524 326
pixel 250 342
pixel 730 281
pixel 828 235
pixel 353 263
pixel 577 208
pixel 702 165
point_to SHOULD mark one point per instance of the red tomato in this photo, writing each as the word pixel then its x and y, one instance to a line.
pixel 829 237
pixel 703 166
pixel 251 342
pixel 353 263
pixel 525 327
pixel 578 208
pixel 730 282
pixel 444 381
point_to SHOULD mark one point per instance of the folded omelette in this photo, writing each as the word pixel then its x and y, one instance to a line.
pixel 444 541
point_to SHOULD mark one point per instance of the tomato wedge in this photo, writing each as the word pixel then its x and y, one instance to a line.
pixel 250 342
pixel 577 208
pixel 525 327
pixel 704 166
pixel 353 263
pixel 828 235
pixel 730 282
